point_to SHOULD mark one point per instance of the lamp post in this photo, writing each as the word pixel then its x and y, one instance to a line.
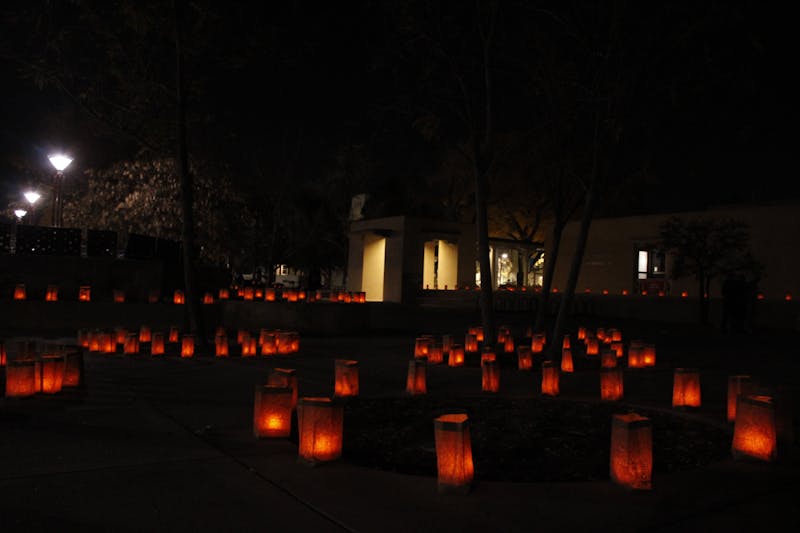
pixel 59 162
pixel 32 197
pixel 20 213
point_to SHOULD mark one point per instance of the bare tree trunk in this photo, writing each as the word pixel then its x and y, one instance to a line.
pixel 547 282
pixel 482 228
pixel 192 318
pixel 575 268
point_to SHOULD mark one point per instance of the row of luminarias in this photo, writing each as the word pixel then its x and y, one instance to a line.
pixel 320 425
pixel 245 293
pixel 32 373
pixel 264 342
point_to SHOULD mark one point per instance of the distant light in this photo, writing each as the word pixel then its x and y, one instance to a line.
pixel 20 213
pixel 60 161
pixel 32 196
pixel 504 256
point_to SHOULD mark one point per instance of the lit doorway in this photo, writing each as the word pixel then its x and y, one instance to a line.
pixel 440 265
pixel 372 276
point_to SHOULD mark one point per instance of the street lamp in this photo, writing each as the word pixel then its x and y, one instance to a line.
pixel 59 162
pixel 32 197
pixel 20 213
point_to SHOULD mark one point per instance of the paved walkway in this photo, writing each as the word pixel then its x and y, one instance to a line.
pixel 164 444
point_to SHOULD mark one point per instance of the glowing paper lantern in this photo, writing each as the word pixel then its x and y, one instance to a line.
pixel 51 294
pixel 608 359
pixel 581 333
pixel 421 346
pixel 269 346
pixel 508 344
pixel 221 345
pixel 550 386
pixel 416 379
pixel 144 334
pixel 686 388
pixel 20 378
pixel 456 356
pixel 119 296
pixel 153 296
pixel 53 367
pixel 611 384
pixel 131 345
pixel 272 412
pixel 249 346
pixel 455 470
pixel 755 429
pixel 106 342
pixel 19 292
pixel 248 294
pixel 435 354
pixel 524 358
pixel 478 332
pixel 566 342
pixel 157 344
pixel 592 346
pixel 84 293
pixel 284 377
pixel 187 345
pixel 208 298
pixel 470 343
pixel 616 335
pixel 490 376
pixel 320 425
pixel 566 361
pixel 631 458
pixel 224 294
pixel 3 354
pixel 648 355
pixel 537 343
pixel 178 297
pixel 120 335
pixel 618 348
pixel 635 354
pixel 174 334
pixel 345 378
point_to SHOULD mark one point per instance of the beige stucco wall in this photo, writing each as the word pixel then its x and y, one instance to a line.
pixel 609 261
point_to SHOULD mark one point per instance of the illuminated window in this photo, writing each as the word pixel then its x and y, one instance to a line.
pixel 650 264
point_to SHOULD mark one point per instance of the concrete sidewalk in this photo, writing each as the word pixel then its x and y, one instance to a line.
pixel 163 444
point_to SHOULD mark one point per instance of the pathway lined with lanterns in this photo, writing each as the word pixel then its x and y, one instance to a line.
pixel 167 443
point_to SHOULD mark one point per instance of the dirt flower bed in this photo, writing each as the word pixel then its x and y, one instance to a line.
pixel 523 440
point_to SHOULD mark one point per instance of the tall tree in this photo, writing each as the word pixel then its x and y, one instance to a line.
pixel 708 249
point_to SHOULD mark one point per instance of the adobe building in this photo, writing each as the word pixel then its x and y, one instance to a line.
pixel 622 253
pixel 394 259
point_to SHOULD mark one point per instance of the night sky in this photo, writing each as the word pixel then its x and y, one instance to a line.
pixel 703 106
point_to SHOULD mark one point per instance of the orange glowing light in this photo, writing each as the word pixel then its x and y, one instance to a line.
pixel 755 431
pixel 19 292
pixel 524 358
pixel 416 382
pixel 178 297
pixel 84 293
pixel 187 345
pixel 51 295
pixel 320 421
pixel 345 378
pixel 550 385
pixel 686 388
pixel 456 355
pixel 272 412
pixel 631 458
pixel 455 470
